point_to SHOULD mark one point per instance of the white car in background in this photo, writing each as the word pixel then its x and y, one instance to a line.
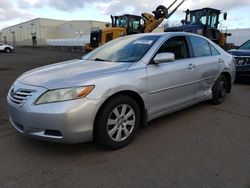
pixel 7 48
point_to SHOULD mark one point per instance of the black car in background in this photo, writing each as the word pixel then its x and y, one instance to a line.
pixel 242 57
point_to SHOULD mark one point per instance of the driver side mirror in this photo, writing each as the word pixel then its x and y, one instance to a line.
pixel 164 57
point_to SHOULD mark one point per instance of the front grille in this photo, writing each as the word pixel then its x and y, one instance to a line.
pixel 52 133
pixel 242 60
pixel 20 96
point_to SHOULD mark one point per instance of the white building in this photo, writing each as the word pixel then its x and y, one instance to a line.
pixel 38 31
pixel 239 36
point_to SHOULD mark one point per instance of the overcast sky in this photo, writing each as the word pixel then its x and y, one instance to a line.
pixel 16 11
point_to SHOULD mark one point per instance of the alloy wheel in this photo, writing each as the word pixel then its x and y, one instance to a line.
pixel 222 89
pixel 121 122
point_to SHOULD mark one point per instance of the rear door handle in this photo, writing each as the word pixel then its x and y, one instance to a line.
pixel 191 66
pixel 220 61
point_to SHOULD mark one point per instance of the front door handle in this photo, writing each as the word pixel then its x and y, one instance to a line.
pixel 191 66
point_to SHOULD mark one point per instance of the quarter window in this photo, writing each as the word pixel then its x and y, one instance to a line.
pixel 200 46
pixel 214 50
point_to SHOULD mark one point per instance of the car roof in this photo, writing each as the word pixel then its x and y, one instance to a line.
pixel 166 34
pixel 158 34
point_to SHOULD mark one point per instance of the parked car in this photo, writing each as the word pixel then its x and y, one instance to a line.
pixel 242 57
pixel 6 48
pixel 125 83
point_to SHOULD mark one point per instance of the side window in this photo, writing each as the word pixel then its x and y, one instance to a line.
pixel 214 50
pixel 176 45
pixel 200 46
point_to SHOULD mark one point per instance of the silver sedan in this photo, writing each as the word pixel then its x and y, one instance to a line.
pixel 110 92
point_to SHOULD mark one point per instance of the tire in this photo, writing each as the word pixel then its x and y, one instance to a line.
pixel 117 122
pixel 219 90
pixel 7 50
pixel 160 12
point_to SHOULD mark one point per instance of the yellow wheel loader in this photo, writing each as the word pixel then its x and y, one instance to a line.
pixel 128 24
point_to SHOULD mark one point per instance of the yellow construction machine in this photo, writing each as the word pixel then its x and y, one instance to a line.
pixel 128 24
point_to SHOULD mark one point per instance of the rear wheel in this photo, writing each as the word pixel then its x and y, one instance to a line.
pixel 117 122
pixel 219 90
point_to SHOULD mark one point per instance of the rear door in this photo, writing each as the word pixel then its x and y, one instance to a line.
pixel 208 64
pixel 171 84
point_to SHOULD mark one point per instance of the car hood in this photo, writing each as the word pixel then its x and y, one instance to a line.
pixel 7 45
pixel 240 52
pixel 70 73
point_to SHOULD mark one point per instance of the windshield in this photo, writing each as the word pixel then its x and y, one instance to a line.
pixel 122 22
pixel 245 46
pixel 213 20
pixel 125 49
pixel 197 17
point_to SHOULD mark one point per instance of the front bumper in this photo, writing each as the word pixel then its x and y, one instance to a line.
pixel 67 122
pixel 243 70
pixel 242 66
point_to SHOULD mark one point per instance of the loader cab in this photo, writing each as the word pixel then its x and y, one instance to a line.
pixel 132 23
pixel 207 17
pixel 204 22
pixel 121 26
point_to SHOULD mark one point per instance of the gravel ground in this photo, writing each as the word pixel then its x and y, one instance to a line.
pixel 201 146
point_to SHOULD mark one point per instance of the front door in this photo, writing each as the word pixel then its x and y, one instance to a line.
pixel 171 84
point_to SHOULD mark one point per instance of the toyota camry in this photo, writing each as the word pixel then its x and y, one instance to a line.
pixel 107 94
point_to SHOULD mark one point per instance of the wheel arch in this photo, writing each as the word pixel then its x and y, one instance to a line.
pixel 229 81
pixel 7 48
pixel 131 94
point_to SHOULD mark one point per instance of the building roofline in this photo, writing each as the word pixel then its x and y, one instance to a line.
pixel 31 21
pixel 66 21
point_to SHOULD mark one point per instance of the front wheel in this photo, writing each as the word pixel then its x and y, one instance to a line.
pixel 7 50
pixel 219 90
pixel 117 122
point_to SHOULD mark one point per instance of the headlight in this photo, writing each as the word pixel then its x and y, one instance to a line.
pixel 64 94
